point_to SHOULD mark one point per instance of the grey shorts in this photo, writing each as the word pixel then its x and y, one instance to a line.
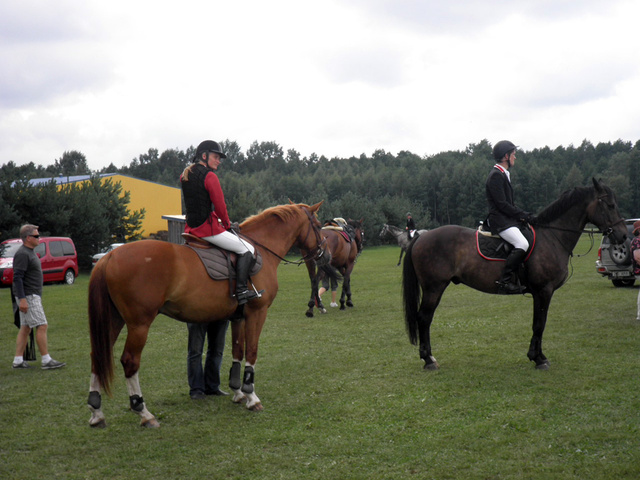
pixel 35 315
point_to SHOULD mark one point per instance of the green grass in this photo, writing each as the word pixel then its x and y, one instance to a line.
pixel 345 394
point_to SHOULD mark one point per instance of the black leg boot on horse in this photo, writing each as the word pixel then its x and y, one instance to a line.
pixel 506 285
pixel 244 263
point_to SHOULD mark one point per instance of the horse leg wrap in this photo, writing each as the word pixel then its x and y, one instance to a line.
pixel 95 400
pixel 234 376
pixel 137 403
pixel 247 382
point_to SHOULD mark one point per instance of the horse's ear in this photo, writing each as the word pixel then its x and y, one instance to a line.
pixel 290 202
pixel 597 184
pixel 316 207
pixel 361 220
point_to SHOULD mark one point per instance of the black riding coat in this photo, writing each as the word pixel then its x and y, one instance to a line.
pixel 503 213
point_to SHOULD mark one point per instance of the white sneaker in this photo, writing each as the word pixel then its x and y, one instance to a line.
pixel 333 304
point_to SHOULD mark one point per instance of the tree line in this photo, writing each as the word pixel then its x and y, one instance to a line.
pixel 444 188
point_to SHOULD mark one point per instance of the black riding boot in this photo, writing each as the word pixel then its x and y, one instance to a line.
pixel 243 265
pixel 506 285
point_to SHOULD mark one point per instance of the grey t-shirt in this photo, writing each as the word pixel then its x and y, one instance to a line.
pixel 27 273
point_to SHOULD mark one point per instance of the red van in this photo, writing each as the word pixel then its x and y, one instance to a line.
pixel 58 257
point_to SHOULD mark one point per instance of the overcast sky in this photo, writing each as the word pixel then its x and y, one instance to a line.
pixel 112 79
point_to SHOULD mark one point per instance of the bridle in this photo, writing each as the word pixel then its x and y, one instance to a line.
pixel 591 232
pixel 313 255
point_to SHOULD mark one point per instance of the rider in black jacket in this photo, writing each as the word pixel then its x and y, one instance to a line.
pixel 504 217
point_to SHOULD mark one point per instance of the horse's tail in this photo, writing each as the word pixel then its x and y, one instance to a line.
pixel 102 312
pixel 410 295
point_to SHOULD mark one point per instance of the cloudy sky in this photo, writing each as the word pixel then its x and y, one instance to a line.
pixel 112 79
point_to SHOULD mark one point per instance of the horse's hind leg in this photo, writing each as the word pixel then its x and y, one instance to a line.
pixel 400 259
pixel 346 293
pixel 425 318
pixel 131 363
pixel 97 419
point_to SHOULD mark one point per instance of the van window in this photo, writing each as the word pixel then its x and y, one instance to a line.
pixel 67 249
pixel 55 248
pixel 40 250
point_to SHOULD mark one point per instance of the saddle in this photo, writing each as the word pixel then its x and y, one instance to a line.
pixel 493 247
pixel 220 264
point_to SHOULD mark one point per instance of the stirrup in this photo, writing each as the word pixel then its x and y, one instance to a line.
pixel 509 288
pixel 247 296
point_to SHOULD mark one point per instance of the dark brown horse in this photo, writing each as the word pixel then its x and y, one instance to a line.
pixel 343 259
pixel 134 283
pixel 448 254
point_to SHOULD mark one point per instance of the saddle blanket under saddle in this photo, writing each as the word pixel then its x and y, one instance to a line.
pixel 341 231
pixel 492 247
pixel 219 262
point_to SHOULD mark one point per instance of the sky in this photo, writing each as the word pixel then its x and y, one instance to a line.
pixel 338 78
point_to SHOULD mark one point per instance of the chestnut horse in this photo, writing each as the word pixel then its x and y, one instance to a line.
pixel 132 284
pixel 343 259
pixel 449 254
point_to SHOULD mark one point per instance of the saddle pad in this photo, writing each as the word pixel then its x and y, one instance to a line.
pixel 495 248
pixel 217 262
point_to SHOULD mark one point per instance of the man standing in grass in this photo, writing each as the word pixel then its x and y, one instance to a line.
pixel 27 285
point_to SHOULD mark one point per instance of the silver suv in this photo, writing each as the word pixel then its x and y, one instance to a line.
pixel 614 261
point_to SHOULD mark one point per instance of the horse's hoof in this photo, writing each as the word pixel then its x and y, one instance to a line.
pixel 431 366
pixel 309 314
pixel 350 304
pixel 324 310
pixel 99 424
pixel 239 398
pixel 151 423
pixel 544 365
pixel 256 407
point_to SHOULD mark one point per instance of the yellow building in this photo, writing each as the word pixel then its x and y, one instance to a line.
pixel 156 199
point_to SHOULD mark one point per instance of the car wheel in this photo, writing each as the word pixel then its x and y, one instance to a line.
pixel 620 254
pixel 69 277
pixel 623 283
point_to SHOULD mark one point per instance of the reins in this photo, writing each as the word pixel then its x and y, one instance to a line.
pixel 314 254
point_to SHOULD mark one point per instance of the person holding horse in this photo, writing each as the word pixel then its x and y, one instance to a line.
pixel 504 217
pixel 411 226
pixel 207 216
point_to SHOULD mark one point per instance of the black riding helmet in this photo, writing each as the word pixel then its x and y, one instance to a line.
pixel 502 148
pixel 208 146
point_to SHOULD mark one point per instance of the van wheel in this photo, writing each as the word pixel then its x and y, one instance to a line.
pixel 623 283
pixel 69 277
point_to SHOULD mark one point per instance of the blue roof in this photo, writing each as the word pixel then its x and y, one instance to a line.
pixel 63 180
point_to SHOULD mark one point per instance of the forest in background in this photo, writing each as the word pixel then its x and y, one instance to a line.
pixel 440 189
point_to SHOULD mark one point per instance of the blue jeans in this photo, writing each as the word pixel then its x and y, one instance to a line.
pixel 207 381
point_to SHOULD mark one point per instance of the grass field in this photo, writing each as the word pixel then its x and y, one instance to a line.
pixel 345 394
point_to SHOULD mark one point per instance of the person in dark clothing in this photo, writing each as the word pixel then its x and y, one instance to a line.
pixel 27 285
pixel 205 382
pixel 411 226
pixel 207 216
pixel 504 217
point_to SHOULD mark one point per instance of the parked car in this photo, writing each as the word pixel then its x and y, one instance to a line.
pixel 98 256
pixel 58 257
pixel 614 261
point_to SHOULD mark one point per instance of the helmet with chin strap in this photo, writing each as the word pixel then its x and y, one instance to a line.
pixel 208 146
pixel 502 148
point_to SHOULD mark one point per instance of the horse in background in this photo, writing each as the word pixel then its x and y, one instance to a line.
pixel 134 283
pixel 450 254
pixel 344 254
pixel 390 232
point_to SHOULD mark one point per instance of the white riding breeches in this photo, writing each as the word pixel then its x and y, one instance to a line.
pixel 514 236
pixel 231 242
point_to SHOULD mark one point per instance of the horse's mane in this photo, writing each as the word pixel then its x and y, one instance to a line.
pixel 285 212
pixel 567 199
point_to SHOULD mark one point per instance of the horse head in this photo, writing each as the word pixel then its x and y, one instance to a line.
pixel 312 241
pixel 384 232
pixel 603 212
pixel 359 232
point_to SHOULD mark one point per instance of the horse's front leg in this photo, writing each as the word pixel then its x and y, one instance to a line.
pixel 400 259
pixel 541 303
pixel 137 405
